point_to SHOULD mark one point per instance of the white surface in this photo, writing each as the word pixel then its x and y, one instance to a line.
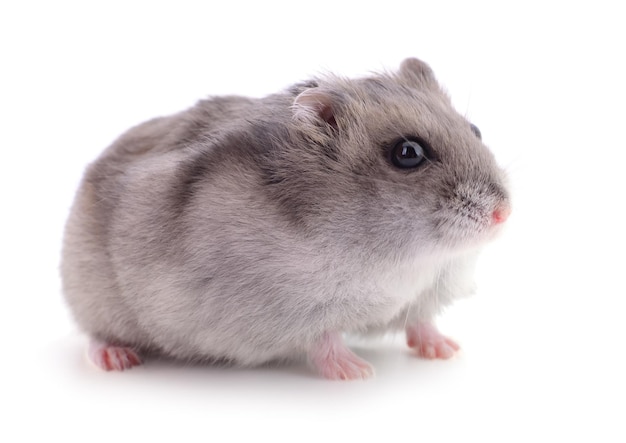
pixel 543 353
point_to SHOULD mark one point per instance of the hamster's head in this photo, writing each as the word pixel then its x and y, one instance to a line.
pixel 386 161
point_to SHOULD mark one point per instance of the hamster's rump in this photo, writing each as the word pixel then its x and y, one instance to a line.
pixel 251 230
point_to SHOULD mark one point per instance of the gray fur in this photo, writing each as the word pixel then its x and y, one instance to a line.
pixel 243 229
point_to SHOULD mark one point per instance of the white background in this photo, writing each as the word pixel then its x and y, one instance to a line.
pixel 543 340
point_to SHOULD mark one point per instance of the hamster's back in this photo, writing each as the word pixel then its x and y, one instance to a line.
pixel 89 278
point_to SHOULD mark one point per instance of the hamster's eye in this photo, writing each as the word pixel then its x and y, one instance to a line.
pixel 476 131
pixel 407 154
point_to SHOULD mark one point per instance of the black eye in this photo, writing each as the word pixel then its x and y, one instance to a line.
pixel 476 131
pixel 407 154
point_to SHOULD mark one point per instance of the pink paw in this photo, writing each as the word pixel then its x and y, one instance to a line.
pixel 112 358
pixel 429 343
pixel 335 361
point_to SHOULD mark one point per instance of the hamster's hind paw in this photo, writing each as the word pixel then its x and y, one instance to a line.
pixel 429 342
pixel 112 358
pixel 335 361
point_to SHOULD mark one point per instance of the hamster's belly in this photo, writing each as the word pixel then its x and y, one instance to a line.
pixel 392 290
pixel 250 328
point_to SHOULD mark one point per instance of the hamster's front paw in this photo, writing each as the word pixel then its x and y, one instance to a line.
pixel 429 342
pixel 335 361
pixel 112 358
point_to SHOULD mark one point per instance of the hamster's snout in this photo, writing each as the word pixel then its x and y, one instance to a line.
pixel 475 211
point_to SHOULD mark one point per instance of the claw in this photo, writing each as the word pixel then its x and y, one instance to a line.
pixel 335 361
pixel 112 358
pixel 429 342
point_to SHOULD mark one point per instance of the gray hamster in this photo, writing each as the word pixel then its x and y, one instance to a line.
pixel 259 230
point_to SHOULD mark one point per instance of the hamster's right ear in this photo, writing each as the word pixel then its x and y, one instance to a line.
pixel 315 106
pixel 417 73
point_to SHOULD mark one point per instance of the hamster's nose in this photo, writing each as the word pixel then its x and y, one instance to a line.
pixel 500 214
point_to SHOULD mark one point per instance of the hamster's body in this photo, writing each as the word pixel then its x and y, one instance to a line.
pixel 251 230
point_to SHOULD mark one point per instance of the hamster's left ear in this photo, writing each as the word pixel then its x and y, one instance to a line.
pixel 315 105
pixel 416 73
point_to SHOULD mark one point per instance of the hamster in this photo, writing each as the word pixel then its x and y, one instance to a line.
pixel 259 230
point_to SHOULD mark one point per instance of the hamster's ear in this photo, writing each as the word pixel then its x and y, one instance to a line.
pixel 416 73
pixel 315 105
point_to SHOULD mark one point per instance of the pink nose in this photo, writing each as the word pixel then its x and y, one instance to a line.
pixel 501 214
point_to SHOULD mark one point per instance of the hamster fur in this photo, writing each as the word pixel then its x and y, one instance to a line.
pixel 253 230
